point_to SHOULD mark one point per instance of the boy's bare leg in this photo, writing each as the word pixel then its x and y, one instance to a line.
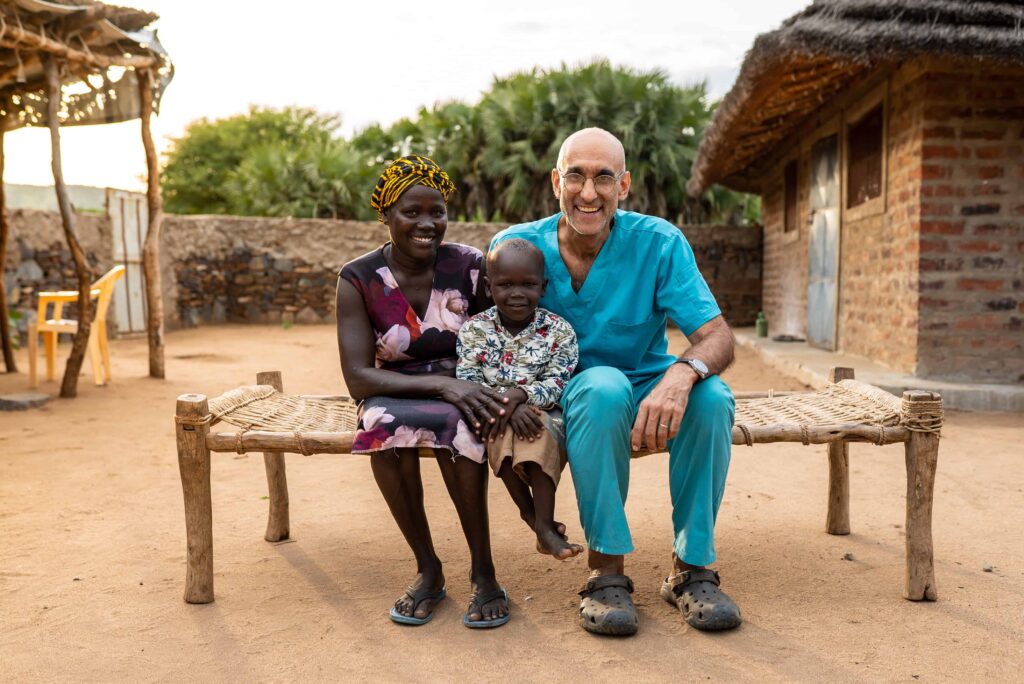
pixel 548 537
pixel 520 493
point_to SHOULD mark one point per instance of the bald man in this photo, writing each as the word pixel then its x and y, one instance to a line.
pixel 617 276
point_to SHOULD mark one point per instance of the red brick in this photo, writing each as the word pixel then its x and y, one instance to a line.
pixel 942 191
pixel 983 134
pixel 939 152
pixel 981 246
pixel 935 246
pixel 942 228
pixel 942 264
pixel 988 285
pixel 978 322
pixel 939 132
pixel 936 209
pixel 988 172
pixel 995 152
pixel 935 172
pixel 1019 210
pixel 987 189
pixel 995 229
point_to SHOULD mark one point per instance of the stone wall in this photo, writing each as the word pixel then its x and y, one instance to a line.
pixel 730 260
pixel 265 270
pixel 38 258
pixel 268 270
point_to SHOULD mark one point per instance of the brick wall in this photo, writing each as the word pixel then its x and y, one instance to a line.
pixel 878 297
pixel 972 226
pixel 933 285
pixel 784 289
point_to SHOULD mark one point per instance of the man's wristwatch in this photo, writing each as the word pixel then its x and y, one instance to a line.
pixel 698 366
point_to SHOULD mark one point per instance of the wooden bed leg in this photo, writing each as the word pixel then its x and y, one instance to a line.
pixel 922 456
pixel 277 481
pixel 838 519
pixel 192 424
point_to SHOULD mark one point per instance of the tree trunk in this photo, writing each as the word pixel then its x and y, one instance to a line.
pixel 151 248
pixel 69 386
pixel 5 229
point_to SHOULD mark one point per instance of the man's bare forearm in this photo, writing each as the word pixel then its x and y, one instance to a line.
pixel 714 344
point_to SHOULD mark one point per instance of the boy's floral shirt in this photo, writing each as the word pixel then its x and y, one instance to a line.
pixel 539 360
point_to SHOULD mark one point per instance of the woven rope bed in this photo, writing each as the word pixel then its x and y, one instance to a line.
pixel 843 411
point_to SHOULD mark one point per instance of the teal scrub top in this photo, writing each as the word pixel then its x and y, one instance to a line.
pixel 644 274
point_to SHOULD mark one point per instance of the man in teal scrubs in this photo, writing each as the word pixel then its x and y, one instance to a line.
pixel 617 276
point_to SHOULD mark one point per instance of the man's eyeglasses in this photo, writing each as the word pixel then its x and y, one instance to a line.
pixel 604 184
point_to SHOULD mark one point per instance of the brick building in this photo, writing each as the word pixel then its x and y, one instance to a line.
pixel 886 140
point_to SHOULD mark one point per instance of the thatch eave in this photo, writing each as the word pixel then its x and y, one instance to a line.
pixel 790 73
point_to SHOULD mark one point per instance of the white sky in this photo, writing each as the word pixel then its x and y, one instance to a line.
pixel 380 61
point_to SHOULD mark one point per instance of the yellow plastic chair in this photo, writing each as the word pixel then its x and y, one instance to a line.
pixel 50 326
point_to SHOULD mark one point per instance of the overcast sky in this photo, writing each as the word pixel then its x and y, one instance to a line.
pixel 380 61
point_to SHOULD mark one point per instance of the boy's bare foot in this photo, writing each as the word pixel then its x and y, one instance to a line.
pixel 421 596
pixel 559 527
pixel 551 542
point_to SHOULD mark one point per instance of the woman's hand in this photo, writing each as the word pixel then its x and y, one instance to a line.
pixel 526 422
pixel 490 432
pixel 480 404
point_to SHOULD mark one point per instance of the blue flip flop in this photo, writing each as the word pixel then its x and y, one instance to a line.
pixel 412 619
pixel 478 603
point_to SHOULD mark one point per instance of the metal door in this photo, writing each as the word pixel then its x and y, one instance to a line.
pixel 823 257
pixel 129 221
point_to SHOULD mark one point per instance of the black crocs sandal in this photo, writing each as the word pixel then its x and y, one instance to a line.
pixel 606 606
pixel 697 595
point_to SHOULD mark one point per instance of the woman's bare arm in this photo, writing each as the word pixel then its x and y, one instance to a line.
pixel 356 347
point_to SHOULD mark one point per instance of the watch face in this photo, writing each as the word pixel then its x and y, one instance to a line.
pixel 699 366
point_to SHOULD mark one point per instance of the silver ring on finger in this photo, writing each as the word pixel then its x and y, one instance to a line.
pixel 664 425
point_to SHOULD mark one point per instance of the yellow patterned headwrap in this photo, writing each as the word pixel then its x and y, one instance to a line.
pixel 402 174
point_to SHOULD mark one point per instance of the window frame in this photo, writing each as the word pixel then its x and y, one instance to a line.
pixel 852 115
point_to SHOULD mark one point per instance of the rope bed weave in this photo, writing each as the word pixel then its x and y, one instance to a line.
pixel 261 407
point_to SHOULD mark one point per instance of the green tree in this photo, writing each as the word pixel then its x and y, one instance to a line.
pixel 197 175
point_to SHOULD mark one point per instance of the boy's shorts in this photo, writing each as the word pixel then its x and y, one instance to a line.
pixel 548 451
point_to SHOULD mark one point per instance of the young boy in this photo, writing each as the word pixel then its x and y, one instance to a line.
pixel 528 354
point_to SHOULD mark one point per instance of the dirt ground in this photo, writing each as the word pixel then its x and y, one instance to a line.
pixel 92 573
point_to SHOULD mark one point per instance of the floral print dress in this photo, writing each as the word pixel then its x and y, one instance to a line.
pixel 405 343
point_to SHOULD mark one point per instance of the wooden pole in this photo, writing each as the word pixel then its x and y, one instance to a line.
pixel 922 457
pixel 69 386
pixel 277 481
pixel 837 521
pixel 5 230
pixel 151 247
pixel 192 424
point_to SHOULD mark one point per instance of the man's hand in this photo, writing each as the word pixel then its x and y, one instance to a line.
pixel 662 410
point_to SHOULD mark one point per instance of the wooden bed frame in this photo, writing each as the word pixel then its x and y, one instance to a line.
pixel 802 417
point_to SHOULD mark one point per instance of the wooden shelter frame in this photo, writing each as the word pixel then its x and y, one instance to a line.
pixel 44 47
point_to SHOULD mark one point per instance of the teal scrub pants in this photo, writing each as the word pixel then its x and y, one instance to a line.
pixel 599 406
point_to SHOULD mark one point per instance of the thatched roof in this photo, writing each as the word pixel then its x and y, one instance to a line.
pixel 98 46
pixel 789 73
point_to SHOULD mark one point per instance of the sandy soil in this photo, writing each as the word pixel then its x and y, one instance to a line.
pixel 92 573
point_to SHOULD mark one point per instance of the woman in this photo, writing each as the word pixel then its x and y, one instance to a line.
pixel 399 309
